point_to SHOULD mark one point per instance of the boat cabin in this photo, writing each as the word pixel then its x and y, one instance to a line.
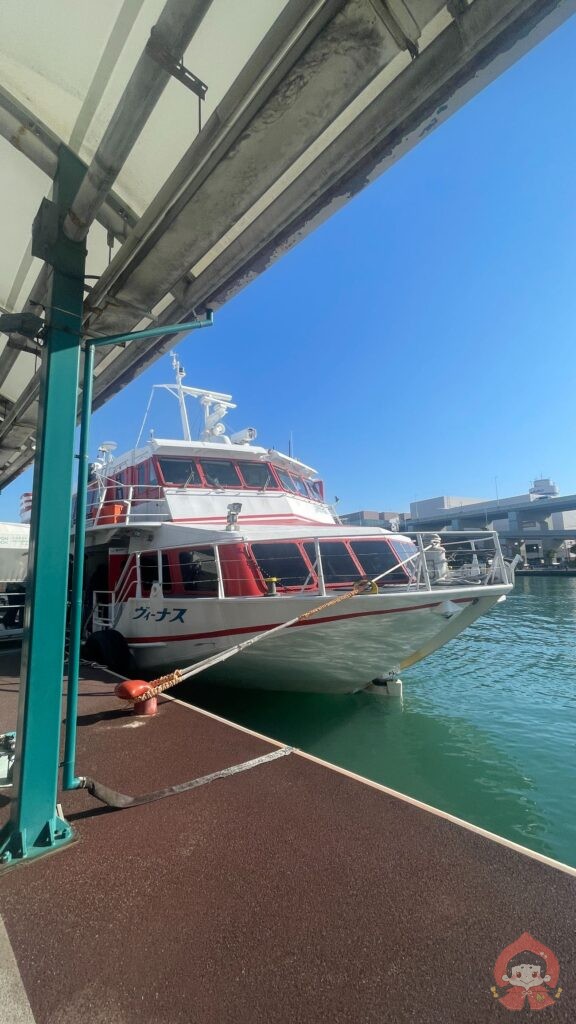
pixel 257 567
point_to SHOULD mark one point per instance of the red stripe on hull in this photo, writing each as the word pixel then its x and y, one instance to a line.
pixel 257 520
pixel 264 628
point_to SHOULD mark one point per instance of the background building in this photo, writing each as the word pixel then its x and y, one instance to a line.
pixel 540 525
pixel 370 517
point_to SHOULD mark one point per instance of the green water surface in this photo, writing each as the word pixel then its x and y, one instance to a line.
pixel 486 729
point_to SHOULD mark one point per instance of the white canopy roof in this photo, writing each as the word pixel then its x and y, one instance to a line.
pixel 307 100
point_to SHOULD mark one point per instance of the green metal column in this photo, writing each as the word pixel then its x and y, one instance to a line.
pixel 69 779
pixel 34 826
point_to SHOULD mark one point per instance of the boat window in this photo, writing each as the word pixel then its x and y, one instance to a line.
pixel 219 473
pixel 149 570
pixel 284 561
pixel 166 574
pixel 141 475
pixel 117 490
pixel 300 486
pixel 405 549
pixel 91 501
pixel 286 480
pixel 257 474
pixel 179 472
pixel 199 571
pixel 337 563
pixel 377 557
pixel 153 479
pixel 315 486
pixel 310 549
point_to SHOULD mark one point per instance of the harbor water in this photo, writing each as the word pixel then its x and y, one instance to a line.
pixel 486 729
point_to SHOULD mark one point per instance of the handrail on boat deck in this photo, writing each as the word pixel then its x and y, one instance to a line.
pixel 440 561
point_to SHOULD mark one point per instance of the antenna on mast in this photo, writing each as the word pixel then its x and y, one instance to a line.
pixel 180 373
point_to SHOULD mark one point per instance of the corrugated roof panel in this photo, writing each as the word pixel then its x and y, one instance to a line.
pixel 20 375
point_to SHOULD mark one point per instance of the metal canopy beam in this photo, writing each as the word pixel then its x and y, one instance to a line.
pixel 175 28
pixel 173 31
pixel 24 130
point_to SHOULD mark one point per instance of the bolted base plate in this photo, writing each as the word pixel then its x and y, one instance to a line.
pixel 16 846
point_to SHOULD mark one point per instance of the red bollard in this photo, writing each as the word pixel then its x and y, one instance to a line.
pixel 128 689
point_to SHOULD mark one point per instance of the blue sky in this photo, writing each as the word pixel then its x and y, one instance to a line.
pixel 420 342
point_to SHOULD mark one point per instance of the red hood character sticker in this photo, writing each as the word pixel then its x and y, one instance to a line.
pixel 526 975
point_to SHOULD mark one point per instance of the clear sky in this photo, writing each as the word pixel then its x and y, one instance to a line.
pixel 420 342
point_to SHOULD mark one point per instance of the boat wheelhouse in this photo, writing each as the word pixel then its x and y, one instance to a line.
pixel 195 545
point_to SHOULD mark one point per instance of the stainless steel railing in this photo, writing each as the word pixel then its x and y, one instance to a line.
pixel 438 562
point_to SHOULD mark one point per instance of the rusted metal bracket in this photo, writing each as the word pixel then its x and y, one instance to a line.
pixel 401 26
pixel 166 59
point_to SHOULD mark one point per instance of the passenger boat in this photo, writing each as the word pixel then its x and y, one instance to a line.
pixel 193 545
pixel 14 538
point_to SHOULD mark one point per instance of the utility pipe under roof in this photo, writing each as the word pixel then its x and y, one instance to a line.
pixel 172 32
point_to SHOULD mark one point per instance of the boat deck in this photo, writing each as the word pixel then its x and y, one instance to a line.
pixel 291 892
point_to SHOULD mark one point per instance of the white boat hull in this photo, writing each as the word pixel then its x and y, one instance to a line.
pixel 339 651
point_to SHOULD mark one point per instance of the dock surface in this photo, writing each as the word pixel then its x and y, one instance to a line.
pixel 293 892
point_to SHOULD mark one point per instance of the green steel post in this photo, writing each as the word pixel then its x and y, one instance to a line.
pixel 69 780
pixel 34 827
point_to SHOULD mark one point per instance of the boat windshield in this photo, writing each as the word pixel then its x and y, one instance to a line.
pixel 257 474
pixel 286 480
pixel 219 473
pixel 316 489
pixel 406 549
pixel 282 561
pixel 179 472
pixel 339 566
pixel 377 557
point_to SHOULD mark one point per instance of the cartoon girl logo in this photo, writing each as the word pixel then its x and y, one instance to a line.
pixel 526 975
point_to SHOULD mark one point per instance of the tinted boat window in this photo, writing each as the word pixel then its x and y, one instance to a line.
pixel 199 571
pixel 286 480
pixel 376 557
pixel 310 549
pixel 300 486
pixel 219 473
pixel 405 549
pixel 149 570
pixel 257 475
pixel 179 472
pixel 166 574
pixel 337 562
pixel 284 561
pixel 315 489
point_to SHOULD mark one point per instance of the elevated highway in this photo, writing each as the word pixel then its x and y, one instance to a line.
pixel 518 515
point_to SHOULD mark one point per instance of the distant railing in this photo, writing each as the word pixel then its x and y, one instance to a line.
pixel 459 558
pixel 12 603
pixel 115 503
